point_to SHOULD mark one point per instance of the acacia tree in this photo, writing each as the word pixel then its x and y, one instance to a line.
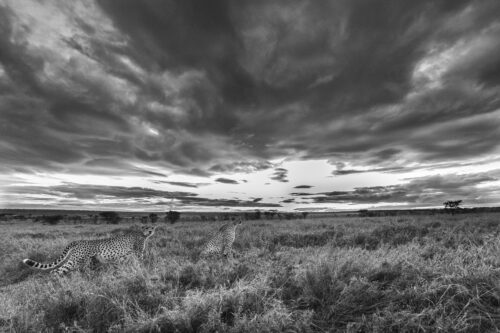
pixel 452 205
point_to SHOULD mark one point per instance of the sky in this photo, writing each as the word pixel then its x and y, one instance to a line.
pixel 251 104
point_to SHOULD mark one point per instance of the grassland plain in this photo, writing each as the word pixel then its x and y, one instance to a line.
pixel 387 274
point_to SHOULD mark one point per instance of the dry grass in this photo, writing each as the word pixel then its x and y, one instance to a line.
pixel 390 274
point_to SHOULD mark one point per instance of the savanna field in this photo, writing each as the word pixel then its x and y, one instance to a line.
pixel 346 274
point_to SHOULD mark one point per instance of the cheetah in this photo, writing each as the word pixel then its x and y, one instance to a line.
pixel 78 253
pixel 221 243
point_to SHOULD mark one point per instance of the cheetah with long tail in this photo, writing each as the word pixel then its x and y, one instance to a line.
pixel 77 253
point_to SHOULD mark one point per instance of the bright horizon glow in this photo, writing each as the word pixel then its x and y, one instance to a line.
pixel 315 173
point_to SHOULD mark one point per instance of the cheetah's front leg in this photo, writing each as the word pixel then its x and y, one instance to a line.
pixel 227 251
pixel 139 254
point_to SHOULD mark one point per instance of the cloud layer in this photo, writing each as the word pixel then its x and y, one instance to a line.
pixel 418 192
pixel 73 195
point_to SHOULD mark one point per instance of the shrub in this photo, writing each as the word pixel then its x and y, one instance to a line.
pixel 110 217
pixel 172 216
pixel 153 217
pixel 52 219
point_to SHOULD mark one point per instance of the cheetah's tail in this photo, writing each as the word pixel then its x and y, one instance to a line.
pixel 52 265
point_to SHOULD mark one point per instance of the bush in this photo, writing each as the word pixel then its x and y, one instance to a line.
pixel 153 217
pixel 110 217
pixel 172 216
pixel 52 219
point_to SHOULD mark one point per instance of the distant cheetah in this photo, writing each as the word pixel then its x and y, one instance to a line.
pixel 77 253
pixel 221 243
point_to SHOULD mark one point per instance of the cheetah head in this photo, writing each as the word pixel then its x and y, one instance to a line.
pixel 238 221
pixel 148 230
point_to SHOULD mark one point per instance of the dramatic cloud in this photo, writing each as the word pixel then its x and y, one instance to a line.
pixel 432 190
pixel 342 172
pixel 72 194
pixel 182 184
pixel 301 193
pixel 218 89
pixel 303 186
pixel 226 181
pixel 79 191
pixel 280 174
pixel 241 167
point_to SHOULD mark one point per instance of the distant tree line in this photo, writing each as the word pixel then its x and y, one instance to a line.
pixel 450 207
pixel 253 215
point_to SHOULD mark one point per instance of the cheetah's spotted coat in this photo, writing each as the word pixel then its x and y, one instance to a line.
pixel 78 253
pixel 221 243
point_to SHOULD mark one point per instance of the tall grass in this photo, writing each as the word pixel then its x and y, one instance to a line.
pixel 392 274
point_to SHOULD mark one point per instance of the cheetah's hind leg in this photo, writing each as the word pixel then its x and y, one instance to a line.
pixel 64 269
pixel 96 263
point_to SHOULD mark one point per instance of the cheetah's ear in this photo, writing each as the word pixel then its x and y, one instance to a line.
pixel 148 227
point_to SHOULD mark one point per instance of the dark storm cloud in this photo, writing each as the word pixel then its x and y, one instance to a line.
pixel 280 174
pixel 342 172
pixel 185 34
pixel 37 117
pixel 218 87
pixel 195 172
pixel 152 173
pixel 241 166
pixel 301 193
pixel 374 94
pixel 431 190
pixel 303 186
pixel 182 184
pixel 94 191
pixel 224 202
pixel 226 181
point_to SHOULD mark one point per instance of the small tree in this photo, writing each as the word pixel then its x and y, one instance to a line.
pixel 452 206
pixel 172 216
pixel 153 217
pixel 304 215
pixel 110 217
